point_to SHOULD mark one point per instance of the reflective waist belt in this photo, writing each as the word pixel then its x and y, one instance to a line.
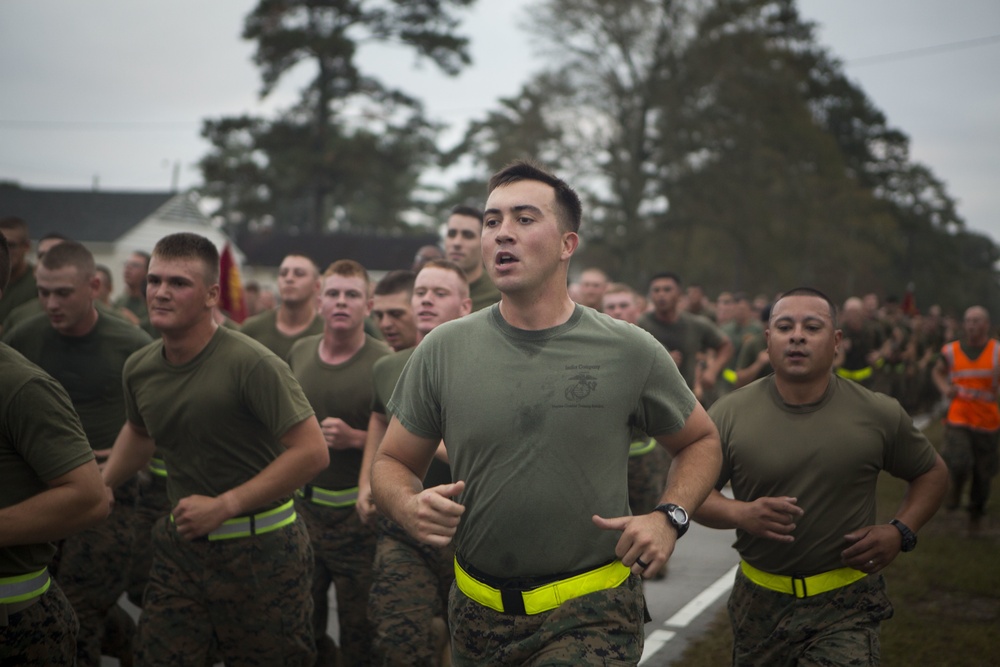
pixel 856 376
pixel 802 587
pixel 641 447
pixel 729 375
pixel 329 497
pixel 158 467
pixel 256 524
pixel 545 597
pixel 24 587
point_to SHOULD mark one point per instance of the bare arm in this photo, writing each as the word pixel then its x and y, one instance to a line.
pixel 769 517
pixel 697 459
pixel 397 473
pixel 339 435
pixel 304 457
pixel 716 362
pixel 74 501
pixel 941 379
pixel 132 450
pixel 377 426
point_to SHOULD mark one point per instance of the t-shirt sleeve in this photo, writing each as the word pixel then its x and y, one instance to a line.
pixel 275 396
pixel 910 454
pixel 415 401
pixel 720 414
pixel 46 429
pixel 665 401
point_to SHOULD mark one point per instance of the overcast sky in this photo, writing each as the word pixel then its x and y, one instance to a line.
pixel 115 90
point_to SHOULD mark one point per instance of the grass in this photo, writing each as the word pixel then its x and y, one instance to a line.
pixel 946 593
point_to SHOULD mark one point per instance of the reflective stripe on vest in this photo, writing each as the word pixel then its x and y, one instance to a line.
pixel 545 597
pixel 974 405
pixel 329 497
pixel 860 375
pixel 802 587
pixel 24 586
pixel 641 447
pixel 158 467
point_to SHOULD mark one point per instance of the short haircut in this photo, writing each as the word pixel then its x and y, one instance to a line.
pixel 143 254
pixel 664 275
pixel 14 223
pixel 811 291
pixel 568 206
pixel 100 268
pixel 70 253
pixel 395 282
pixel 52 236
pixel 312 263
pixel 185 245
pixel 4 263
pixel 347 268
pixel 448 265
pixel 620 288
pixel 468 211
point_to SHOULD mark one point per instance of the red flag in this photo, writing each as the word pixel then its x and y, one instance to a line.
pixel 909 305
pixel 231 297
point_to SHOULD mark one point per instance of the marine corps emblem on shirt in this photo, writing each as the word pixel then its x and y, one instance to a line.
pixel 585 383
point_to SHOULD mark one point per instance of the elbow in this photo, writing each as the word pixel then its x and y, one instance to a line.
pixel 94 507
pixel 319 460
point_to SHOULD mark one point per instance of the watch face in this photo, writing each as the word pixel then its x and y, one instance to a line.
pixel 680 514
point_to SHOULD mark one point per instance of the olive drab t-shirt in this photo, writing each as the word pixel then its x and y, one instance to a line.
pixel 827 455
pixel 538 424
pixel 40 439
pixel 689 335
pixel 264 329
pixel 89 368
pixel 343 391
pixel 218 418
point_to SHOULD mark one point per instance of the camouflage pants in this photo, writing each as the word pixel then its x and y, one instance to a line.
pixel 833 629
pixel 647 478
pixel 409 589
pixel 344 549
pixel 972 454
pixel 43 635
pixel 151 506
pixel 247 598
pixel 93 573
pixel 602 628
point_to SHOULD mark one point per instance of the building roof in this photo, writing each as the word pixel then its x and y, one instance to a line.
pixel 92 216
pixel 375 253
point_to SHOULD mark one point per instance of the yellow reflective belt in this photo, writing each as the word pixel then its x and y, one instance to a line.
pixel 158 467
pixel 257 524
pixel 641 447
pixel 729 375
pixel 802 587
pixel 856 376
pixel 547 596
pixel 24 586
pixel 329 497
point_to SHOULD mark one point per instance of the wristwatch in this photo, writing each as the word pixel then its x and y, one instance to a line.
pixel 909 537
pixel 677 516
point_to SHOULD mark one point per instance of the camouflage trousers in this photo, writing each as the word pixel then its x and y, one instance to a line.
pixel 647 478
pixel 42 635
pixel 833 629
pixel 344 549
pixel 972 454
pixel 409 589
pixel 93 573
pixel 246 598
pixel 602 628
pixel 151 506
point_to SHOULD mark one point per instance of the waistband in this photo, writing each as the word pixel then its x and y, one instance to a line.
pixel 802 587
pixel 157 467
pixel 24 587
pixel 255 524
pixel 541 598
pixel 330 497
pixel 641 447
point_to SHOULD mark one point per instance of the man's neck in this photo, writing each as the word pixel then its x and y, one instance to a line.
pixel 667 316
pixel 536 311
pixel 180 347
pixel 475 273
pixel 294 317
pixel 135 292
pixel 340 346
pixel 87 325
pixel 802 393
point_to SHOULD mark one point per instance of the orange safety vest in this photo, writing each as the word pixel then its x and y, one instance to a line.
pixel 975 404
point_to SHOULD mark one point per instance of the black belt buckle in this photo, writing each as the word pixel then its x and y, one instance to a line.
pixel 513 602
pixel 795 589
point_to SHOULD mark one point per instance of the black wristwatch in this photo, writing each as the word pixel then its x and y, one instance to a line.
pixel 909 537
pixel 677 516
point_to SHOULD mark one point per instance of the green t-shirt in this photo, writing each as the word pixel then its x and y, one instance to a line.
pixel 217 419
pixel 343 391
pixel 539 425
pixel 263 328
pixel 828 455
pixel 40 439
pixel 689 335
pixel 136 304
pixel 88 367
pixel 483 292
pixel 18 292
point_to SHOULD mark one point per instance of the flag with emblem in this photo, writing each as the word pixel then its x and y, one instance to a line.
pixel 231 298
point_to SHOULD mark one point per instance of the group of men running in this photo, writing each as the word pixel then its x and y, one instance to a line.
pixel 477 463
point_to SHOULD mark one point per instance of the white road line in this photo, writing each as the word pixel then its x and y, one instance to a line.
pixel 658 638
pixel 702 601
